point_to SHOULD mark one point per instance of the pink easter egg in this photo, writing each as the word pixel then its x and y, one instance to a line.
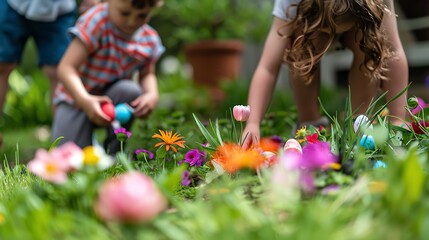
pixel 292 145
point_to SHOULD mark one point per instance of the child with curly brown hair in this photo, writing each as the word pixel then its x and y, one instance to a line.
pixel 303 31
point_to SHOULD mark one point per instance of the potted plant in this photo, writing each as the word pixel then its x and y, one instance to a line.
pixel 212 33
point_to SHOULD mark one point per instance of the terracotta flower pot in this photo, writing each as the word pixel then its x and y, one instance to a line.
pixel 213 61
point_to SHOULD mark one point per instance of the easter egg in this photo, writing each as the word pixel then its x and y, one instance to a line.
pixel 268 154
pixel 367 142
pixel 109 109
pixel 380 164
pixel 361 121
pixel 123 113
pixel 292 145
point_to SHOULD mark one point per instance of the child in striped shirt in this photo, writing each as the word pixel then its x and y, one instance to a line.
pixel 111 41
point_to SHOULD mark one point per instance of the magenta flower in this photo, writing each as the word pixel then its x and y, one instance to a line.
pixel 140 153
pixel 241 113
pixel 132 197
pixel 421 104
pixel 417 127
pixel 317 156
pixel 194 157
pixel 185 178
pixel 122 134
pixel 307 181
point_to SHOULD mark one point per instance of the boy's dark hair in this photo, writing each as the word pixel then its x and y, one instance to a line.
pixel 146 3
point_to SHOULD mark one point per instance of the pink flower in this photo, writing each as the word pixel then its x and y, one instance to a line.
pixel 420 106
pixel 70 153
pixel 317 156
pixel 417 127
pixel 241 113
pixel 131 197
pixel 49 166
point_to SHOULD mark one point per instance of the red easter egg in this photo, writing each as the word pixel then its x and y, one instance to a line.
pixel 109 109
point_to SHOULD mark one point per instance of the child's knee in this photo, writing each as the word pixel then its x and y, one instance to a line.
pixel 124 91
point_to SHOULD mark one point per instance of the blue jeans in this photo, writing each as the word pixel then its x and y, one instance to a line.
pixel 51 38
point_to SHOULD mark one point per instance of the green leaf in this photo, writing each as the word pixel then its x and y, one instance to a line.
pixel 55 143
pixel 170 181
pixel 161 152
pixel 210 139
pixel 413 177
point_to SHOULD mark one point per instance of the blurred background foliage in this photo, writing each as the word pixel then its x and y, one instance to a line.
pixel 27 115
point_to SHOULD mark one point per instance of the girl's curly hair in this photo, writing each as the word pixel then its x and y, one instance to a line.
pixel 314 15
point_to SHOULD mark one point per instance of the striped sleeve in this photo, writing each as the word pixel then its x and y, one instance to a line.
pixel 88 28
pixel 153 47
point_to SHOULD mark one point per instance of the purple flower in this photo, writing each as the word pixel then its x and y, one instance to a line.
pixel 421 104
pixel 122 134
pixel 277 139
pixel 142 152
pixel 194 157
pixel 330 190
pixel 317 156
pixel 185 178
pixel 307 181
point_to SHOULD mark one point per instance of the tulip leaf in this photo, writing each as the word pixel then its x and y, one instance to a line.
pixel 210 139
pixel 413 177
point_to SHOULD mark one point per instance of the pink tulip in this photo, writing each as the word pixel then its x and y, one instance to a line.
pixel 132 197
pixel 241 113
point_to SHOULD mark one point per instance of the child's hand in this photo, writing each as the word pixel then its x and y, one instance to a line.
pixel 251 136
pixel 92 107
pixel 144 105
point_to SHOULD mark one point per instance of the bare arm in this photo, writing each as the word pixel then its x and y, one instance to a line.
pixel 398 69
pixel 75 55
pixel 145 104
pixel 263 82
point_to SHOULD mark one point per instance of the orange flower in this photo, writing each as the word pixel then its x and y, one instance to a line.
pixel 169 140
pixel 232 157
pixel 270 145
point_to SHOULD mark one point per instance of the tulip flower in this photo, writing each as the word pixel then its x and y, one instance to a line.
pixel 241 113
pixel 132 197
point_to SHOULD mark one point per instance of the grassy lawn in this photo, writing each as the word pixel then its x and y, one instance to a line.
pixel 22 143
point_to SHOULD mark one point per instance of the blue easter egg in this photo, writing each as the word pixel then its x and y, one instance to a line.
pixel 380 164
pixel 123 114
pixel 367 142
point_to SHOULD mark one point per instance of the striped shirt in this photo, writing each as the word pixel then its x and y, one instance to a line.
pixel 112 55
